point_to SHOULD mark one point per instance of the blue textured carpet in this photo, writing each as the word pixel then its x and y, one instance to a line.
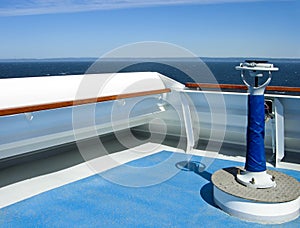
pixel 184 200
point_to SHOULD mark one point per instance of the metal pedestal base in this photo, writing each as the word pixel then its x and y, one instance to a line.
pixel 256 179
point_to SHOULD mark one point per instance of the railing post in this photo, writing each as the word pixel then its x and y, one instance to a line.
pixel 279 131
pixel 188 123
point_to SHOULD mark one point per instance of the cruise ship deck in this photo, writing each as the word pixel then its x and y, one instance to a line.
pixel 158 189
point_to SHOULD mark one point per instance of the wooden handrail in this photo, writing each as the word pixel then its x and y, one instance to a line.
pixel 240 87
pixel 283 89
pixel 63 104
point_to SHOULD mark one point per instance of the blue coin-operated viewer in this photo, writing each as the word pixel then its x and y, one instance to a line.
pixel 255 175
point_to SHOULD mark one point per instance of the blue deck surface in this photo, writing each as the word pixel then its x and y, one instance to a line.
pixel 184 200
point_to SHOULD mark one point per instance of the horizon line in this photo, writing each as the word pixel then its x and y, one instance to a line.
pixel 96 58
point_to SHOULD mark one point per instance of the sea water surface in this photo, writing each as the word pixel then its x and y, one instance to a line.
pixel 182 70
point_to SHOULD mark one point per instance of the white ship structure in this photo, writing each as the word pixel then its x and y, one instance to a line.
pixel 115 119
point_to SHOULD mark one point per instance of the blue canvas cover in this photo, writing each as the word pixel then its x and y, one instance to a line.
pixel 256 158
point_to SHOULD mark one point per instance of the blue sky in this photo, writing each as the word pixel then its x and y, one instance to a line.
pixel 208 28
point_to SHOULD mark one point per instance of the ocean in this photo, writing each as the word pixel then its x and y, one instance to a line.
pixel 223 69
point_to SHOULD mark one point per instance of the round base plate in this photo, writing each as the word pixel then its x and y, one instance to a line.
pixel 273 205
